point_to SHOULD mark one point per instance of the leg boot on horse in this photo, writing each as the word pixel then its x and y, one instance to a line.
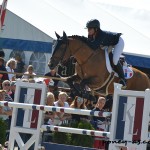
pixel 119 70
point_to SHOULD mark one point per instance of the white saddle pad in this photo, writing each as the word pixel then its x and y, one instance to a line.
pixel 128 72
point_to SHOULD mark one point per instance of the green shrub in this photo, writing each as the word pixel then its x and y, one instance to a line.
pixel 3 127
pixel 75 139
pixel 61 137
pixel 82 140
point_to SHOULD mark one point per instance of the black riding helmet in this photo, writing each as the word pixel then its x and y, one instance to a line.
pixel 94 23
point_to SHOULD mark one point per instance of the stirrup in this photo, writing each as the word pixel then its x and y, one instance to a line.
pixel 123 82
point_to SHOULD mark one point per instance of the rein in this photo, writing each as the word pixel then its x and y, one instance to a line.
pixel 81 65
pixel 77 50
pixel 64 52
pixel 73 54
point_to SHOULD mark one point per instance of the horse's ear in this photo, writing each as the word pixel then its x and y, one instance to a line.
pixel 57 35
pixel 64 36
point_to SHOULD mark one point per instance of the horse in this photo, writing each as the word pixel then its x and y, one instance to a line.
pixel 91 67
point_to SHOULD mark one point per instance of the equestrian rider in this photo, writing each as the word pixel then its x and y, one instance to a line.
pixel 97 37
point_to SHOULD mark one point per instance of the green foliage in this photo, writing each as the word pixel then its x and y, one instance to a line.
pixel 82 140
pixel 61 137
pixel 75 139
pixel 3 127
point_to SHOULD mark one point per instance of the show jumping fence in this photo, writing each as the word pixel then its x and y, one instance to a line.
pixel 129 124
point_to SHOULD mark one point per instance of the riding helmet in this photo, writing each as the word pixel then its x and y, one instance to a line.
pixel 94 23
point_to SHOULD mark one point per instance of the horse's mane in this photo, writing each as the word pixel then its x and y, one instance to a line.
pixel 82 38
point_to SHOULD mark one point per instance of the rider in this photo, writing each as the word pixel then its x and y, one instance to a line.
pixel 97 37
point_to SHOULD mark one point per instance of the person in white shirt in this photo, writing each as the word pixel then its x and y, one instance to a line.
pixel 49 116
pixel 10 66
pixel 29 74
pixel 61 116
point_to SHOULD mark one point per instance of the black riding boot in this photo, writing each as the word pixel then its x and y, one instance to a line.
pixel 120 72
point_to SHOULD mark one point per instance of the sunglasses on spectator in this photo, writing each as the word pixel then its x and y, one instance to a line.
pixel 7 84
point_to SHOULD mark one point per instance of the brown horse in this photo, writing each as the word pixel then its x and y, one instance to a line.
pixel 91 65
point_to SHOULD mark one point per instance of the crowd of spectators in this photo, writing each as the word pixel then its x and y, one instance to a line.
pixel 56 96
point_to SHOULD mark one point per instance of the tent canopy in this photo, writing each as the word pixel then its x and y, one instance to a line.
pixel 132 18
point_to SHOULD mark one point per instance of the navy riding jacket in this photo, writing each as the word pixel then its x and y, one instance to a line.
pixel 104 38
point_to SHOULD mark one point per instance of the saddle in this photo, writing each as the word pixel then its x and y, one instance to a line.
pixel 128 73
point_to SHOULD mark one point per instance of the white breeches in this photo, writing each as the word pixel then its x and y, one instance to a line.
pixel 118 49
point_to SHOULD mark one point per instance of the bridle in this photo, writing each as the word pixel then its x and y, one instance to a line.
pixel 64 52
pixel 61 58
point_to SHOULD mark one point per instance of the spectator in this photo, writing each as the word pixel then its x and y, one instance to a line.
pixel 99 123
pixel 6 87
pixel 61 116
pixel 53 73
pixel 20 66
pixel 99 107
pixel 78 103
pixel 49 116
pixel 12 88
pixel 69 100
pixel 89 104
pixel 30 73
pixel 3 76
pixel 5 112
pixel 53 89
pixel 10 66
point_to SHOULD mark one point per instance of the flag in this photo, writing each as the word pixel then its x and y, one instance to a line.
pixel 2 13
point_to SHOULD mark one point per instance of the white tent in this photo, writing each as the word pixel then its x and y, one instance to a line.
pixel 130 18
pixel 20 35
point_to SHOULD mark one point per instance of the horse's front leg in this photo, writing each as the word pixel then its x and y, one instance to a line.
pixel 86 93
pixel 74 83
pixel 71 80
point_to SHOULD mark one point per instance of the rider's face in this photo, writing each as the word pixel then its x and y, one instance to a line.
pixel 91 31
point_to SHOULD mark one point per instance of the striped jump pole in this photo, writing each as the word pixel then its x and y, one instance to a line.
pixel 55 109
pixel 75 131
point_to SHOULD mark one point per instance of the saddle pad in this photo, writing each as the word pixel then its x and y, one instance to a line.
pixel 128 72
